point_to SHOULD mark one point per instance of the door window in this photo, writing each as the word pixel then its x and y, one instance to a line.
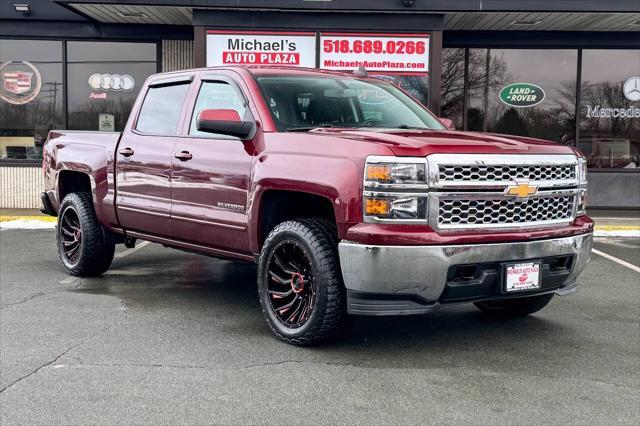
pixel 160 110
pixel 218 95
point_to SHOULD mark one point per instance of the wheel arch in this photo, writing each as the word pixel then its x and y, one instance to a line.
pixel 277 205
pixel 73 181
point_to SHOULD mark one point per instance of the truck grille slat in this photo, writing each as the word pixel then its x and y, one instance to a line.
pixel 485 173
pixel 504 211
pixel 474 191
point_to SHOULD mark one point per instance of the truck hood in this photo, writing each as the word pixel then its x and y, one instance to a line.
pixel 420 143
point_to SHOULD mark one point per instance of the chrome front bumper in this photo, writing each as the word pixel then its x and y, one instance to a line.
pixel 411 279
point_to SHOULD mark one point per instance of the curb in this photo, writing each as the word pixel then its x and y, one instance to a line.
pixel 49 222
pixel 38 218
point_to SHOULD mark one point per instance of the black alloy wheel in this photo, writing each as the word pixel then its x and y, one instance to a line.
pixel 302 296
pixel 291 285
pixel 70 235
pixel 84 246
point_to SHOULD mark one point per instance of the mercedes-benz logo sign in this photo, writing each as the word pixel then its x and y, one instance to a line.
pixel 631 89
pixel 114 82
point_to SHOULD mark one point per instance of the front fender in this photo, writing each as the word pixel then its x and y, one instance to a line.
pixel 336 179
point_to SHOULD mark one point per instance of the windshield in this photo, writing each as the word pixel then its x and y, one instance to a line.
pixel 304 103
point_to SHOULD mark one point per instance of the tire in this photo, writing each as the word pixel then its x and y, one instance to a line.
pixel 93 252
pixel 308 248
pixel 515 307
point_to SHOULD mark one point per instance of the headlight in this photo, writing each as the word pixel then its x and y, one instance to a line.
pixel 582 191
pixel 582 170
pixel 395 173
pixel 398 207
pixel 395 190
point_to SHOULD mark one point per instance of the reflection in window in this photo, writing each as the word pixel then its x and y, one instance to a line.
pixel 452 91
pixel 31 96
pixel 491 70
pixel 104 89
pixel 107 77
pixel 217 95
pixel 416 85
pixel 610 108
pixel 160 110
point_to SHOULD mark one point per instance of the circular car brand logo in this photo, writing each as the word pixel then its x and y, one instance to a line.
pixel 631 89
pixel 522 95
pixel 21 82
pixel 115 82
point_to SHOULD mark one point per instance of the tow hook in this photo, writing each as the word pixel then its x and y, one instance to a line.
pixel 130 242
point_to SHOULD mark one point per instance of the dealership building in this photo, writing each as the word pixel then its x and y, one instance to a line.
pixel 563 70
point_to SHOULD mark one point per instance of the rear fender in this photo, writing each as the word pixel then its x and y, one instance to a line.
pixel 92 161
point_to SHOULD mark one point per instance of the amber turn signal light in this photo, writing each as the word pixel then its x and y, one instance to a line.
pixel 379 172
pixel 376 206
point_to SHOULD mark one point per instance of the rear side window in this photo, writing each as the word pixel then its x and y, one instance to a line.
pixel 160 109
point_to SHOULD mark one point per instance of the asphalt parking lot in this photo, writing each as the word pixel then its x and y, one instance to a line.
pixel 167 337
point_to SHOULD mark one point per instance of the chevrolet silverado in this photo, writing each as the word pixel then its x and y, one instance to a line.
pixel 352 198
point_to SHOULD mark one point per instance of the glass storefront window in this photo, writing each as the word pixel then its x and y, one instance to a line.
pixel 31 96
pixel 511 93
pixel 610 108
pixel 104 81
pixel 452 91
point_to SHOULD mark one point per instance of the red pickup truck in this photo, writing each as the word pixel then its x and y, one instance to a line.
pixel 352 197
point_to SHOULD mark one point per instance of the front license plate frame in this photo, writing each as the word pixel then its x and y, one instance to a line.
pixel 522 276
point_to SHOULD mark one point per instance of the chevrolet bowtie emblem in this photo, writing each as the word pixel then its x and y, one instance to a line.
pixel 521 190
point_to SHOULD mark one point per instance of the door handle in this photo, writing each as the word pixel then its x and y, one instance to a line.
pixel 184 156
pixel 127 152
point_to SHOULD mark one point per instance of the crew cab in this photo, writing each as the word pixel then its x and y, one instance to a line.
pixel 352 198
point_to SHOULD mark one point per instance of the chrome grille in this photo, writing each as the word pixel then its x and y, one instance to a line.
pixel 460 213
pixel 488 173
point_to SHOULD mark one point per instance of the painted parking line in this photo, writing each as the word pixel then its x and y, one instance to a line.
pixel 69 280
pixel 133 250
pixel 615 259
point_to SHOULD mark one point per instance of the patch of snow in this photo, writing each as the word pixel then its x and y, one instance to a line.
pixel 632 233
pixel 27 224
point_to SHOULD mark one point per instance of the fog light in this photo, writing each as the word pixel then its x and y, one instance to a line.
pixel 395 208
pixel 376 206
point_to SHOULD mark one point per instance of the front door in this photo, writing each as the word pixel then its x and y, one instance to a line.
pixel 144 157
pixel 211 176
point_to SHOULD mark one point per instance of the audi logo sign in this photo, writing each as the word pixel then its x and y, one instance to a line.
pixel 115 82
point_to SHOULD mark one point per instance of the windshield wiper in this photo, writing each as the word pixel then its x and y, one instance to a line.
pixel 405 126
pixel 307 128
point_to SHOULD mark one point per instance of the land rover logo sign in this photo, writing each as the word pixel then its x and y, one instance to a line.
pixel 21 82
pixel 522 95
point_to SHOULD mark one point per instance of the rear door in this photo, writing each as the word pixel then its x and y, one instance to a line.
pixel 211 172
pixel 144 156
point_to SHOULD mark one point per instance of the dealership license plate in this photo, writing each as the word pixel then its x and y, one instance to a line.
pixel 522 276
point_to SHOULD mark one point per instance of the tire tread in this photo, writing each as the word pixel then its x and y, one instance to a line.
pixel 97 253
pixel 322 237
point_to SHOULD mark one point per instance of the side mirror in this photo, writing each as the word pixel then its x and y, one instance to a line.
pixel 225 122
pixel 447 122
